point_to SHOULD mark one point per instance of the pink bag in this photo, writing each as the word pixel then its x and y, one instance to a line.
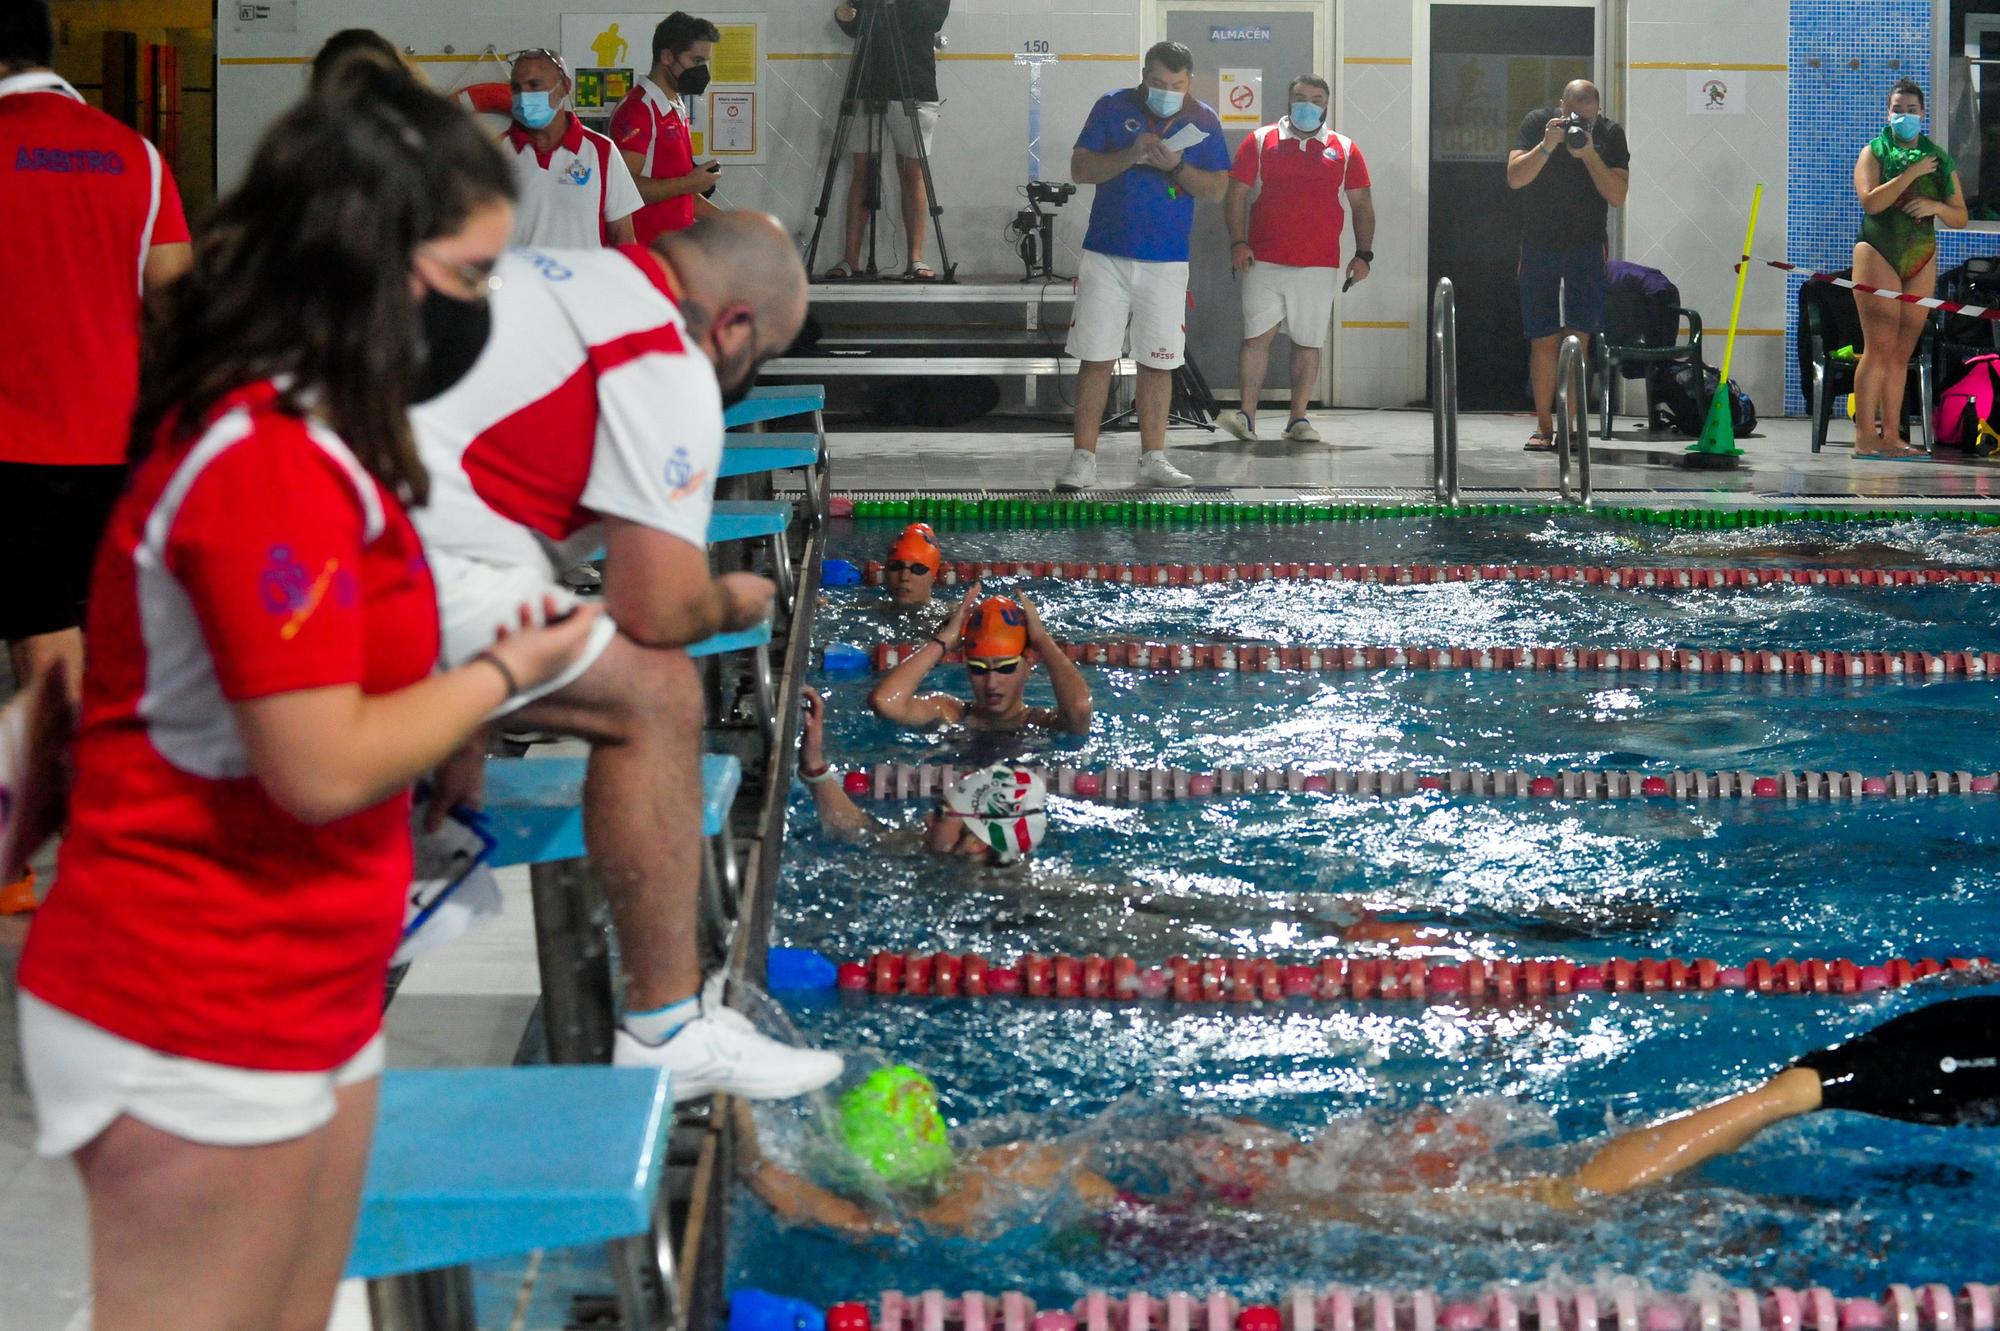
pixel 1971 400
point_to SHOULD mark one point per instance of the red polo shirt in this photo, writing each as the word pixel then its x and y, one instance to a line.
pixel 653 124
pixel 82 199
pixel 1298 216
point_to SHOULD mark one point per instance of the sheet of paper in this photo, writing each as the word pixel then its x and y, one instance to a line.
pixel 1186 137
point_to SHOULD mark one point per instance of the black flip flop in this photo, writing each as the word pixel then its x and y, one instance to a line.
pixel 1547 445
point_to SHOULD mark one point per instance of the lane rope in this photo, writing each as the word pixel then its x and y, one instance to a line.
pixel 1612 1302
pixel 1250 658
pixel 1145 785
pixel 1121 979
pixel 1048 510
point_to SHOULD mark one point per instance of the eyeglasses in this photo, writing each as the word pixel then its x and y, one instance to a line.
pixel 542 51
pixel 1006 665
pixel 906 566
pixel 477 277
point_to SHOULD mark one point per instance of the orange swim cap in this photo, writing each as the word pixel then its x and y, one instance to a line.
pixel 917 545
pixel 997 627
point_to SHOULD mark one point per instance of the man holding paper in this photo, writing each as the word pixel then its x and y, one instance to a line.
pixel 1151 151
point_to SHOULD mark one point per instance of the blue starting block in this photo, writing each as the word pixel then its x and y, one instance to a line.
pixel 748 520
pixel 478 1163
pixel 752 454
pixel 774 402
pixel 535 805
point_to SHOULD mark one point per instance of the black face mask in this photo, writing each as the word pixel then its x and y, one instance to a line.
pixel 454 333
pixel 692 81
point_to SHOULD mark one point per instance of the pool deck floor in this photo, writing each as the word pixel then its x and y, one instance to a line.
pixel 467 1004
pixel 1372 451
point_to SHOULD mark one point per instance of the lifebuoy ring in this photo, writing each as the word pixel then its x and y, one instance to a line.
pixel 488 98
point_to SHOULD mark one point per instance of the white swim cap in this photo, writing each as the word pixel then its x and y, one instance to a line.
pixel 1003 806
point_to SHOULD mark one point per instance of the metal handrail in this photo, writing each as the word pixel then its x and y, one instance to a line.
pixel 1572 420
pixel 1444 392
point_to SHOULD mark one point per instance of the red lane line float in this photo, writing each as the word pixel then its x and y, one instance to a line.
pixel 1256 658
pixel 1333 979
pixel 1403 575
pixel 1610 1303
pixel 1135 785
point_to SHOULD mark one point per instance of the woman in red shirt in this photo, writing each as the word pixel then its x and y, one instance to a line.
pixel 202 993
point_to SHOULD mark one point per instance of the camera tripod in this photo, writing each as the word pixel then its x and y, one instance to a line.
pixel 873 14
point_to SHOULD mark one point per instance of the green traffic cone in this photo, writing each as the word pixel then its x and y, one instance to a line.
pixel 1717 446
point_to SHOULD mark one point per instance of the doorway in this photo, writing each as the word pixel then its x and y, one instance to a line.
pixel 1244 58
pixel 1490 65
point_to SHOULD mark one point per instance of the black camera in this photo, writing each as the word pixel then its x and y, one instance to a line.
pixel 1057 192
pixel 1576 132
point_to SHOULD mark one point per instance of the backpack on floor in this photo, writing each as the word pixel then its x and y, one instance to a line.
pixel 1970 403
pixel 1679 408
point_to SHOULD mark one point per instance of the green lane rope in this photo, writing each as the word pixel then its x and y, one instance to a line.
pixel 1149 513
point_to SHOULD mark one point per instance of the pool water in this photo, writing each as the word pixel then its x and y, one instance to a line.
pixel 1525 1088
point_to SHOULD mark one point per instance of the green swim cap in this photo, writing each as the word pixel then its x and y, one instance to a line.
pixel 891 1121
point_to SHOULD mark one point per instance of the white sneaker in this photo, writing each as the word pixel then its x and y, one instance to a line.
pixel 1238 423
pixel 1155 472
pixel 1081 473
pixel 1301 431
pixel 720 1051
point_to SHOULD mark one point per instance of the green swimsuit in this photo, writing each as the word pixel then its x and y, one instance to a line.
pixel 1907 242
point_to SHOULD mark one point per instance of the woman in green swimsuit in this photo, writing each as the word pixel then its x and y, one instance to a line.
pixel 1907 185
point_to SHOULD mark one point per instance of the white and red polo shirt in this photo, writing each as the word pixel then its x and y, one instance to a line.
pixel 591 400
pixel 82 201
pixel 191 914
pixel 654 124
pixel 570 196
pixel 1298 216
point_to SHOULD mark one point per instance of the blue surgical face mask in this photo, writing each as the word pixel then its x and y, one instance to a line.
pixel 1906 126
pixel 1163 102
pixel 1307 116
pixel 534 109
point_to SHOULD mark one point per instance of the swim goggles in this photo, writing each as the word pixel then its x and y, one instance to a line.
pixel 906 566
pixel 1006 665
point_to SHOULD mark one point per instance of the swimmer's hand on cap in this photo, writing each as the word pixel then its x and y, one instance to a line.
pixel 1035 630
pixel 954 624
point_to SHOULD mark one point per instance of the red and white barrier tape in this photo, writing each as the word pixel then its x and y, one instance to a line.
pixel 1197 575
pixel 1137 785
pixel 1928 302
pixel 1334 979
pixel 1611 1303
pixel 1251 658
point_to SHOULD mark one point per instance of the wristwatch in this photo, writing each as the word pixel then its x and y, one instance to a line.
pixel 1366 256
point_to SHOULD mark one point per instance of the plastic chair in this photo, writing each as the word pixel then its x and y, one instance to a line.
pixel 1828 320
pixel 1610 358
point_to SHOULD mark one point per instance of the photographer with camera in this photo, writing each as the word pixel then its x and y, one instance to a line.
pixel 902 46
pixel 1573 168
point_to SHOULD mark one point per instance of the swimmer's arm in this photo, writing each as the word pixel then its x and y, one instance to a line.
pixel 1953 211
pixel 895 697
pixel 792 1199
pixel 1072 689
pixel 1876 194
pixel 1662 1150
pixel 839 816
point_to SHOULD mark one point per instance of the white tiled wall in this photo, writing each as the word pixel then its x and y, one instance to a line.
pixel 1375 366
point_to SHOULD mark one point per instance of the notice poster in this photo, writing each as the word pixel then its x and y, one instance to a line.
pixel 1241 97
pixel 737 57
pixel 735 124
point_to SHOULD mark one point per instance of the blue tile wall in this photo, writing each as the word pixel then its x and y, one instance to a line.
pixel 1844 55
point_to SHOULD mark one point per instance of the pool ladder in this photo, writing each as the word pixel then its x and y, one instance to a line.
pixel 1572 421
pixel 1444 393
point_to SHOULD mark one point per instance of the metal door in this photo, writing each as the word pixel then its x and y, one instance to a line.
pixel 1245 56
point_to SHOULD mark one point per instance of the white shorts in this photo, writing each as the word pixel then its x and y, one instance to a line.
pixel 82 1077
pixel 1301 299
pixel 1112 293
pixel 901 140
pixel 477 599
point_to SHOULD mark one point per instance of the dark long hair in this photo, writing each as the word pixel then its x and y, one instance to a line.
pixel 303 272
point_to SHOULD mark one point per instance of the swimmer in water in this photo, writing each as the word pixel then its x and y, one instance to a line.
pixel 913 566
pixel 1938 1065
pixel 996 815
pixel 995 635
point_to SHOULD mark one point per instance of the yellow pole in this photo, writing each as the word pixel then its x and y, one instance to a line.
pixel 1742 276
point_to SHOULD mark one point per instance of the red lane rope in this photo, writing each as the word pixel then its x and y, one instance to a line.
pixel 1611 1302
pixel 1135 785
pixel 1251 658
pixel 1332 979
pixel 1196 575
pixel 1928 302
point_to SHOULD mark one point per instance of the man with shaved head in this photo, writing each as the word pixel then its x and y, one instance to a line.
pixel 593 417
pixel 1572 167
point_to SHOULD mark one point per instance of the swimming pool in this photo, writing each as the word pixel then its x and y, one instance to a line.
pixel 1833 1200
